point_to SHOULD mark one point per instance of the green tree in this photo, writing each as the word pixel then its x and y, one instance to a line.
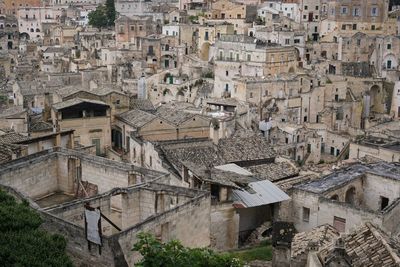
pixel 103 16
pixel 22 243
pixel 173 254
pixel 110 12
pixel 98 18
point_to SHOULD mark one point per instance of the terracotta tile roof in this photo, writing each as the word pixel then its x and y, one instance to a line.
pixel 273 171
pixel 367 246
pixel 12 137
pixel 320 236
pixel 245 148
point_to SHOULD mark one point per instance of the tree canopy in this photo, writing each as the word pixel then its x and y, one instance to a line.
pixel 103 16
pixel 22 243
pixel 174 254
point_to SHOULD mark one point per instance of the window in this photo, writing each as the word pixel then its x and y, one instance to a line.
pixel 248 57
pixel 354 27
pixel 374 11
pixel 373 27
pixel 384 202
pixel 343 26
pixel 296 41
pixel 151 161
pixel 389 46
pixel 226 87
pixel 226 73
pixel 287 41
pixel 316 7
pixel 389 64
pixel 206 36
pixel 306 214
pixel 343 10
pixel 251 95
pixel 305 7
pixel 339 224
pixel 356 12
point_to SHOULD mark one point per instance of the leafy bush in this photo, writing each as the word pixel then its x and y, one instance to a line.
pixel 174 254
pixel 22 243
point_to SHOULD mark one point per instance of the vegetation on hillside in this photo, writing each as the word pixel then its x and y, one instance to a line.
pixel 174 254
pixel 22 243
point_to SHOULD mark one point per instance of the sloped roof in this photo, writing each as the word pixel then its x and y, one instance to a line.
pixel 142 104
pixel 12 137
pixel 319 236
pixel 259 193
pixel 201 153
pixel 245 148
pixel 76 101
pixel 136 117
pixel 367 246
pixel 274 171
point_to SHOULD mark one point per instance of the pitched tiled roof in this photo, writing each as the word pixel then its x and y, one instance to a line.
pixel 319 237
pixel 142 104
pixel 12 137
pixel 367 246
pixel 273 171
pixel 245 148
pixel 136 118
pixel 202 154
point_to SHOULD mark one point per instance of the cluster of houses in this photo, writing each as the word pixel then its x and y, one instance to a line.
pixel 216 122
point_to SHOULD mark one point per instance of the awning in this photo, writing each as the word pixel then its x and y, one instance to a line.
pixel 258 194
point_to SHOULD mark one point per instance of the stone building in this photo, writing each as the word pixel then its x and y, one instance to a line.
pixel 10 7
pixel 31 20
pixel 377 147
pixel 367 16
pixel 349 197
pixel 129 31
pixel 239 55
pixel 91 120
pixel 59 183
pixel 225 9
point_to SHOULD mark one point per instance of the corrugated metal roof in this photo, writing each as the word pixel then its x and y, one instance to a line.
pixel 259 193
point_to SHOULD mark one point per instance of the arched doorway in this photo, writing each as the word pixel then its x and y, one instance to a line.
pixel 350 195
pixel 375 98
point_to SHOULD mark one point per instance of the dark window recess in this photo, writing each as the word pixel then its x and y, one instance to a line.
pixel 384 202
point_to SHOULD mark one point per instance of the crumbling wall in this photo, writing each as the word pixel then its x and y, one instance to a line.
pixel 189 223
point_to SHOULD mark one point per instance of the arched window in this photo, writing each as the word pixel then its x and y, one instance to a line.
pixel 335 197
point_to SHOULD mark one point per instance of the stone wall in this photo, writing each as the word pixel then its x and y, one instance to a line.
pixel 186 219
pixel 36 177
pixel 224 227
